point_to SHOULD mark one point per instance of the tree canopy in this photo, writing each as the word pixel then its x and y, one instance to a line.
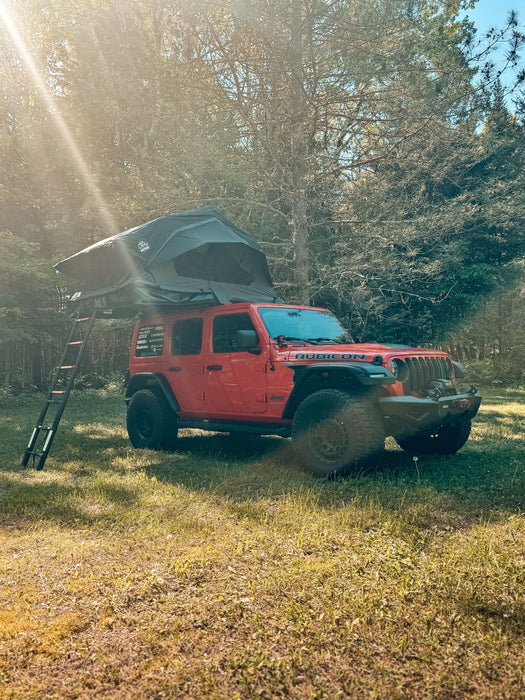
pixel 367 145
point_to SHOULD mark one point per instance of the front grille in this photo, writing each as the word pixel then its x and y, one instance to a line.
pixel 422 371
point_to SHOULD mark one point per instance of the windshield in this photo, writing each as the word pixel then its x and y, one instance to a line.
pixel 310 325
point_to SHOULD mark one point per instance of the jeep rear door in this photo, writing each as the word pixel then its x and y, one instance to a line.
pixel 184 368
pixel 235 378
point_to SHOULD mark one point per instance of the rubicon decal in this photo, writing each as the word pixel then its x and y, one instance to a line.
pixel 329 356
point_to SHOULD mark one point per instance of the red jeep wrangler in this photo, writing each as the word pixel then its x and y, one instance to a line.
pixel 273 369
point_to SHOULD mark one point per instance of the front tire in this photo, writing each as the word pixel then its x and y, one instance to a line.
pixel 446 440
pixel 151 424
pixel 334 433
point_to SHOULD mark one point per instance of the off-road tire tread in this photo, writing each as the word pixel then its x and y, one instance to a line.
pixel 364 422
pixel 165 432
pixel 448 440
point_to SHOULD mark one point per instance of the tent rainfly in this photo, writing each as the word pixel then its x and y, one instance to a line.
pixel 197 256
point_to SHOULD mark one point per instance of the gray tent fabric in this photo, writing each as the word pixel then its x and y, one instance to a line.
pixel 197 256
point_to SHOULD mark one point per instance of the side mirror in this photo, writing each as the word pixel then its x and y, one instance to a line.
pixel 248 340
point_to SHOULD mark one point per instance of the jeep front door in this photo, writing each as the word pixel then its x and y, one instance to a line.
pixel 235 376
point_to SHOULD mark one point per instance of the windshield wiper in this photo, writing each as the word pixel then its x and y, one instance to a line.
pixel 321 340
pixel 288 337
pixel 283 339
pixel 312 341
pixel 337 341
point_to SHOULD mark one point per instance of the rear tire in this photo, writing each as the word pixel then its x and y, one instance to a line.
pixel 334 433
pixel 446 440
pixel 151 423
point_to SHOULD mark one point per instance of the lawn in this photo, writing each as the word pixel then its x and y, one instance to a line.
pixel 225 571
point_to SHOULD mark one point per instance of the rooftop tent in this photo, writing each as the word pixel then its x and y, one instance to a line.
pixel 195 256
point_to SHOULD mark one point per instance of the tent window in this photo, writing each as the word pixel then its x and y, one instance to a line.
pixel 216 263
pixel 186 337
pixel 225 328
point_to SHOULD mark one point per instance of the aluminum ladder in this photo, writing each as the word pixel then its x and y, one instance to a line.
pixel 47 424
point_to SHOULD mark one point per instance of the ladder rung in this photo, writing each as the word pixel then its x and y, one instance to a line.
pixel 33 452
pixel 44 427
pixel 66 367
pixel 76 342
pixel 56 391
pixel 53 401
pixel 78 320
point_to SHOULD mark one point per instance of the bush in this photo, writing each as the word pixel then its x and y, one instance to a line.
pixel 90 381
pixel 495 371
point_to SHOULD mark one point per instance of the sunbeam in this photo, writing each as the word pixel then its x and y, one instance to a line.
pixel 86 174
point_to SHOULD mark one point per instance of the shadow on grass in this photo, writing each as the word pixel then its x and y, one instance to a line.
pixel 498 395
pixel 484 479
pixel 23 500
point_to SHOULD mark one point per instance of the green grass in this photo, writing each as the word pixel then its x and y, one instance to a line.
pixel 224 570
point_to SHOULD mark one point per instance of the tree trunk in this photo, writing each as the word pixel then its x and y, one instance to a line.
pixel 36 365
pixel 300 245
pixel 501 328
pixel 7 374
pixel 298 159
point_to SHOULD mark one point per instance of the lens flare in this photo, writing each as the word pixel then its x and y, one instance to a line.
pixel 84 170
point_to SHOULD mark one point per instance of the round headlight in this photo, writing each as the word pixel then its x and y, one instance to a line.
pixel 399 369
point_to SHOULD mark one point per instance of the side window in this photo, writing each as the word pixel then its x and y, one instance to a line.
pixel 225 329
pixel 150 341
pixel 186 337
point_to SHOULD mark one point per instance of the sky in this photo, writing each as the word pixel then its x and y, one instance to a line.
pixel 488 13
pixel 494 13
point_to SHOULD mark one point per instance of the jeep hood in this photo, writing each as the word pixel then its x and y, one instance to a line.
pixel 357 350
pixel 197 256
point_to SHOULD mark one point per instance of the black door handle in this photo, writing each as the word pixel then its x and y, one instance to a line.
pixel 211 367
pixel 175 369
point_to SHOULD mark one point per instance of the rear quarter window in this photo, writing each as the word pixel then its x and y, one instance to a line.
pixel 150 341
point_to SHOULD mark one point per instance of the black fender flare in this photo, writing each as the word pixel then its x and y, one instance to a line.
pixel 363 375
pixel 152 380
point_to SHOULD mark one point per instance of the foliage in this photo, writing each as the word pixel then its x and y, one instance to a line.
pixel 25 290
pixel 223 570
pixel 348 137
pixel 435 232
pixel 27 314
pixel 493 344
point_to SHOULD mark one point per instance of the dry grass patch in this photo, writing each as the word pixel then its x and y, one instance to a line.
pixel 226 571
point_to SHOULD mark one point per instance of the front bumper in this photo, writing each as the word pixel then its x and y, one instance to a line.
pixel 408 414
